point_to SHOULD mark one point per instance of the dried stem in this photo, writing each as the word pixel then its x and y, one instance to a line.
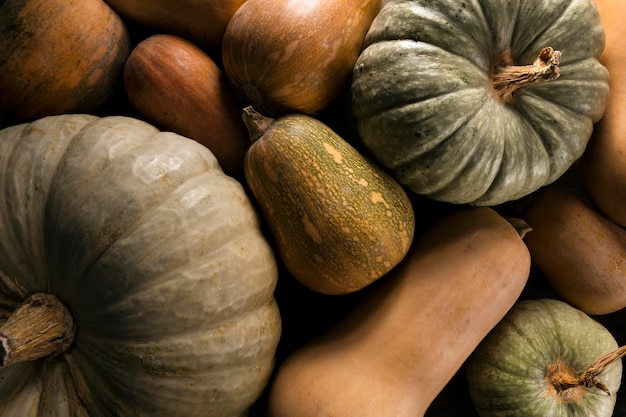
pixel 41 326
pixel 566 385
pixel 507 78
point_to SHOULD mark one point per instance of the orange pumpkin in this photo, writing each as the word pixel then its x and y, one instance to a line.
pixel 58 56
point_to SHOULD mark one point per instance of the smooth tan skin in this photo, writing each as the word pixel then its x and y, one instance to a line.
pixel 399 347
pixel 294 56
pixel 604 162
pixel 581 253
pixel 201 21
pixel 176 85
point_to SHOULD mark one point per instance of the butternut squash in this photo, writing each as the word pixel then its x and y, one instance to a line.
pixel 580 253
pixel 414 328
pixel 603 164
pixel 174 84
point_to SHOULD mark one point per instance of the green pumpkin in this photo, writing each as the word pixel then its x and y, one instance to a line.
pixel 141 264
pixel 462 103
pixel 545 358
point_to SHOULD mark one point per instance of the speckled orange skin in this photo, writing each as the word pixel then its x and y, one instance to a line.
pixel 58 56
pixel 581 253
pixel 294 55
pixel 175 84
pixel 604 162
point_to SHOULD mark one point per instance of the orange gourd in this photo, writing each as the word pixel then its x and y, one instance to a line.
pixel 603 164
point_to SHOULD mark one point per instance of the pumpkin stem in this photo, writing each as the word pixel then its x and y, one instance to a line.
pixel 507 79
pixel 41 326
pixel 568 386
pixel 256 123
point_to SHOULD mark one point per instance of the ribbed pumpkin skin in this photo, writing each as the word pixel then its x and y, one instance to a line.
pixel 58 56
pixel 506 374
pixel 423 104
pixel 160 259
pixel 338 220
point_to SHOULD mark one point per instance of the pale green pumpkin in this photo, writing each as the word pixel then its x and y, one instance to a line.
pixel 513 371
pixel 157 256
pixel 442 97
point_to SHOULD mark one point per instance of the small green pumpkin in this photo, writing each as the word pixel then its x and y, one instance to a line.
pixel 449 96
pixel 545 358
pixel 338 220
pixel 139 264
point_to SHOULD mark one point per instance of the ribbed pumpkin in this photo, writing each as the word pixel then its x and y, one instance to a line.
pixel 58 57
pixel 153 262
pixel 545 358
pixel 480 101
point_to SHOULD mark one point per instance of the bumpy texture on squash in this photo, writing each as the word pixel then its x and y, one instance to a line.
pixel 339 221
pixel 157 254
pixel 425 106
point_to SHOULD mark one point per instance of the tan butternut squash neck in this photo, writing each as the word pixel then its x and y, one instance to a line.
pixel 40 327
pixel 566 385
pixel 507 78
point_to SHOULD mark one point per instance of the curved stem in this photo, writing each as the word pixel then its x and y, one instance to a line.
pixel 568 386
pixel 256 123
pixel 507 78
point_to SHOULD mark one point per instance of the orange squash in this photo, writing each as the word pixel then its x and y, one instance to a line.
pixel 414 328
pixel 58 57
pixel 201 21
pixel 294 56
pixel 604 161
pixel 176 85
pixel 581 253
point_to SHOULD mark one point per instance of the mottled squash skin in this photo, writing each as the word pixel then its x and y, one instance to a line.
pixel 59 57
pixel 414 328
pixel 338 220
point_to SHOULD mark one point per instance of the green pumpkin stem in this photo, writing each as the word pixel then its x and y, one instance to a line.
pixel 507 78
pixel 39 327
pixel 566 385
pixel 256 123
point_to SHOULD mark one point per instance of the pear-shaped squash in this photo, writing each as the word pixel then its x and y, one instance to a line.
pixel 145 283
pixel 480 101
pixel 339 221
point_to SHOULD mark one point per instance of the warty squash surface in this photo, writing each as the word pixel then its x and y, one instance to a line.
pixel 481 101
pixel 157 256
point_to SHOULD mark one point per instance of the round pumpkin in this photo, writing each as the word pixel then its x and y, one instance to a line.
pixel 134 275
pixel 545 358
pixel 58 57
pixel 480 102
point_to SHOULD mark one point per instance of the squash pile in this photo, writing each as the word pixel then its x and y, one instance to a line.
pixel 306 208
